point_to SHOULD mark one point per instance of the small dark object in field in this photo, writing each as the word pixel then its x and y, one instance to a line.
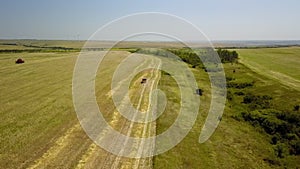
pixel 144 80
pixel 194 66
pixel 199 92
pixel 272 161
pixel 20 61
pixel 220 118
pixel 239 93
pixel 233 71
pixel 296 108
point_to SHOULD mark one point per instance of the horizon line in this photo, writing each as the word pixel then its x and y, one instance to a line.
pixel 193 41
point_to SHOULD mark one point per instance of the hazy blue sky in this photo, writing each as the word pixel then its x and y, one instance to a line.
pixel 219 19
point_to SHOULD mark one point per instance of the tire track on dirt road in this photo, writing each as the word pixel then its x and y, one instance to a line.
pixel 148 127
pixel 94 151
pixel 140 147
pixel 96 156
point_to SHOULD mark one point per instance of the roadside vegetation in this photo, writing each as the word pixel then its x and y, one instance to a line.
pixel 270 107
pixel 258 101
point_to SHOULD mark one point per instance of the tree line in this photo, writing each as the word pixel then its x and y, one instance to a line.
pixel 227 56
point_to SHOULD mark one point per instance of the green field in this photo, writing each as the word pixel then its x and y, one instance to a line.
pixel 281 64
pixel 39 128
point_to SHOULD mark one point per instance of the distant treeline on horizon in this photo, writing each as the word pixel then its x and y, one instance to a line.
pixel 69 44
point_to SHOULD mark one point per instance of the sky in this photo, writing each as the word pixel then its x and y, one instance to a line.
pixel 218 19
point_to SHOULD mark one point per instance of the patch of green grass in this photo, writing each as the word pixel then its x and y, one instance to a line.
pixel 281 60
pixel 267 93
pixel 235 144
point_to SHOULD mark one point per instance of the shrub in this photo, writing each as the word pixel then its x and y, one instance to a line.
pixel 290 117
pixel 229 96
pixel 229 78
pixel 187 55
pixel 296 108
pixel 227 56
pixel 239 85
pixel 295 147
pixel 281 150
pixel 239 93
pixel 257 101
pixel 275 139
pixel 283 126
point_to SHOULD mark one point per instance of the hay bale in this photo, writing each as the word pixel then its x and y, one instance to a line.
pixel 20 61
